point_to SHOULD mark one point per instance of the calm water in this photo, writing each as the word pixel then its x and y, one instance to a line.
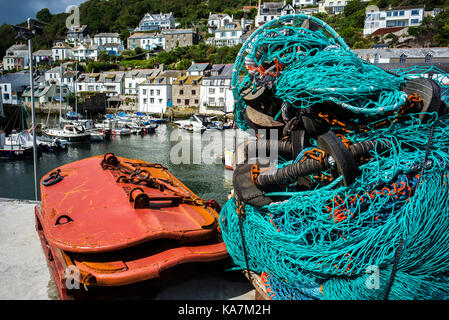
pixel 209 181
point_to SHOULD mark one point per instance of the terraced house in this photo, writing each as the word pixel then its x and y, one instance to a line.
pixel 137 76
pixel 109 83
pixel 156 95
pixel 187 89
pixel 216 93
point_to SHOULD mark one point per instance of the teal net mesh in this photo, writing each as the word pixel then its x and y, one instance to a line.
pixel 339 242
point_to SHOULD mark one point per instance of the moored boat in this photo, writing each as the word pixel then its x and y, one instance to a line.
pixel 71 133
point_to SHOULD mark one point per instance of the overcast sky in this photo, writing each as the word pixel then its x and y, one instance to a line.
pixel 17 11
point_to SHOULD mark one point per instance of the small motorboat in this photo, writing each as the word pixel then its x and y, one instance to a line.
pixel 194 124
pixel 119 221
pixel 17 146
pixel 71 133
pixel 121 130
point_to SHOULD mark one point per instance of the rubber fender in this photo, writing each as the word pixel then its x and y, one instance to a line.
pixel 262 100
pixel 312 124
pixel 344 160
pixel 245 189
pixel 298 140
pixel 428 90
pixel 255 99
pixel 258 120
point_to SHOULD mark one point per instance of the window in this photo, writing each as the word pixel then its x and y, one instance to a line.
pixel 151 100
pixel 193 92
pixel 221 90
pixel 196 101
pixel 151 92
pixel 395 13
pixel 402 58
pixel 6 96
pixel 178 101
pixel 428 57
pixel 211 90
pixel 187 102
pixel 144 100
pixel 401 13
pixel 144 92
pixel 415 12
pixel 158 92
pixel 414 21
pixel 181 92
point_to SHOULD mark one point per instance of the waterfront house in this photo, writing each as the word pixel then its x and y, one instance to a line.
pixel 16 57
pixel 146 41
pixel 44 95
pixel 215 93
pixel 179 38
pixel 109 83
pixel 69 79
pixel 157 22
pixel 62 51
pixel 13 85
pixel 42 57
pixel 186 91
pixel 268 11
pixel 77 34
pixel 137 76
pixel 156 95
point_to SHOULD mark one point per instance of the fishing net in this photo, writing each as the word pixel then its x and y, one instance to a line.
pixel 385 234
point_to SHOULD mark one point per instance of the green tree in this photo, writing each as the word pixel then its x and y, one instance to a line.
pixel 44 15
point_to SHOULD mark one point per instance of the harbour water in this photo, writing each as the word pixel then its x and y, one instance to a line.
pixel 208 179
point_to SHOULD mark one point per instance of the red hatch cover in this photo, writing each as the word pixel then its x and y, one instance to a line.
pixel 106 203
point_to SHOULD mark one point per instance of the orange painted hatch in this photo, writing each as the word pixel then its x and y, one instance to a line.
pixel 106 203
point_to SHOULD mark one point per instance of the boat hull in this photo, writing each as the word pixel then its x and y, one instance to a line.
pixel 70 138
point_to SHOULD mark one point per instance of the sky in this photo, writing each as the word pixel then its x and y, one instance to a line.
pixel 14 12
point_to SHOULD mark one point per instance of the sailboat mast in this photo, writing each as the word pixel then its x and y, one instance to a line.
pixel 76 96
pixel 60 94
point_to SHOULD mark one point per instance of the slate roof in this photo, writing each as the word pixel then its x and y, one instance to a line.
pixel 19 81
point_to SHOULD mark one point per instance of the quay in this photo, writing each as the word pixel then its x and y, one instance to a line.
pixel 24 274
